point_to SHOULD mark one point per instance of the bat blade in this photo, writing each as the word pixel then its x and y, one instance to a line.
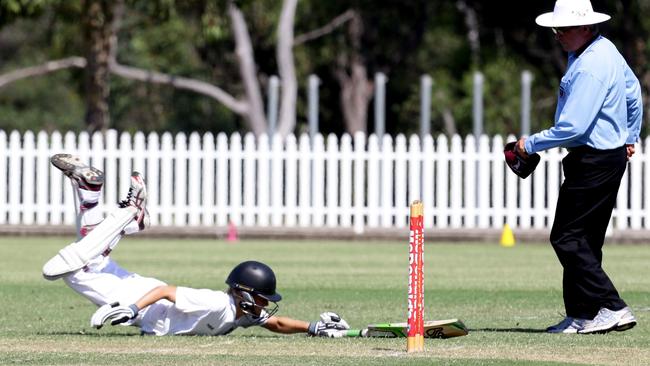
pixel 432 329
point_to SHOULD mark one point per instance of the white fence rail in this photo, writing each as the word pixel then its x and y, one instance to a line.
pixel 351 182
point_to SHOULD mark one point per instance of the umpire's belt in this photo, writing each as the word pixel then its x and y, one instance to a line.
pixel 584 149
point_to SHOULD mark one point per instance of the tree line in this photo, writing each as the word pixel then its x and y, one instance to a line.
pixel 205 65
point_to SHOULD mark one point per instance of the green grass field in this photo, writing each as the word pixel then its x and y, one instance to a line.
pixel 506 296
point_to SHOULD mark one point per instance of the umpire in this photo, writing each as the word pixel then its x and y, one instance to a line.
pixel 598 118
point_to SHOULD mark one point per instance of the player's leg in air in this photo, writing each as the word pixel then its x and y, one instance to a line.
pixel 87 182
pixel 85 265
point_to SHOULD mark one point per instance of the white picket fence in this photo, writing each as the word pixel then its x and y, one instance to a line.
pixel 351 182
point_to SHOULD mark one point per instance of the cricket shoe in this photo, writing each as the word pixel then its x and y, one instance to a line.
pixel 609 320
pixel 85 176
pixel 137 198
pixel 628 321
pixel 568 325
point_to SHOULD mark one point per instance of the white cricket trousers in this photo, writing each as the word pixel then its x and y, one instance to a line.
pixel 103 281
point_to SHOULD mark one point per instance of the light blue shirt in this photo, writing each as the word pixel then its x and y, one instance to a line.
pixel 599 103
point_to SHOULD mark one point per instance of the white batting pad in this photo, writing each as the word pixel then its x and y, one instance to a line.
pixel 76 255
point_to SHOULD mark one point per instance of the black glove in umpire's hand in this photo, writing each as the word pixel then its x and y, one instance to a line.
pixel 330 325
pixel 518 164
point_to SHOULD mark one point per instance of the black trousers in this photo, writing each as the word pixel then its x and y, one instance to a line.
pixel 584 208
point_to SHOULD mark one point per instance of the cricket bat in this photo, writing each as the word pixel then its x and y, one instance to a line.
pixel 432 329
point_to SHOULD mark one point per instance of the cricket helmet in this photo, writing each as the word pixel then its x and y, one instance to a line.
pixel 256 278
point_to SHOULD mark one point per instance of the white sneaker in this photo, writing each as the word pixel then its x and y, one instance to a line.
pixel 568 325
pixel 608 320
pixel 627 321
pixel 137 197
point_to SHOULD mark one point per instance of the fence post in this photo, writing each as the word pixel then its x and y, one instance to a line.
pixel 15 177
pixel 4 154
pixel 224 216
pixel 313 84
pixel 153 176
pixel 346 180
pixel 401 180
pixel 291 158
pixel 277 175
pixel 193 180
pixel 526 82
pixel 426 83
pixel 477 105
pixel 235 175
pixel 263 181
pixel 250 161
pixel 380 105
pixel 333 192
pixel 29 149
pixel 272 107
pixel 42 184
pixel 304 182
pixel 317 179
pixel 387 160
pixel 208 163
pixel 359 176
pixel 373 175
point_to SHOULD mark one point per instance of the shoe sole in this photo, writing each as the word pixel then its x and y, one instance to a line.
pixel 599 331
pixel 626 326
pixel 603 331
pixel 74 168
pixel 574 331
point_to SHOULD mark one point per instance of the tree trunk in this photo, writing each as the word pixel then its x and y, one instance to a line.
pixel 97 16
pixel 247 69
pixel 287 69
pixel 449 122
pixel 356 92
pixel 471 21
pixel 352 76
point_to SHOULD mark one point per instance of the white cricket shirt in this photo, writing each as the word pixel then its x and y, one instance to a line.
pixel 196 312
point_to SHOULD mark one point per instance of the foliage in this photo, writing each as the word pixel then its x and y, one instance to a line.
pixel 192 38
pixel 60 107
pixel 10 10
pixel 155 42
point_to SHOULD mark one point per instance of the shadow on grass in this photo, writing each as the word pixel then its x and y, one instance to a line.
pixel 508 330
pixel 115 335
pixel 266 335
pixel 103 335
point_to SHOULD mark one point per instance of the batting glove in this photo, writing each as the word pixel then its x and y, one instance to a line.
pixel 115 313
pixel 330 325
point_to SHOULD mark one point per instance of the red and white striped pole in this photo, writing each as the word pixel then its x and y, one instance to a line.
pixel 415 332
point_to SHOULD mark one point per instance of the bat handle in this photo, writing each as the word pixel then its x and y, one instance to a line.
pixel 357 333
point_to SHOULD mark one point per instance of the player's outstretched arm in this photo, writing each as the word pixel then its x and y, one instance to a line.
pixel 330 325
pixel 286 325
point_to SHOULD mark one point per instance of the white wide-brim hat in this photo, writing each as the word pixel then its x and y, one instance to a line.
pixel 567 13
